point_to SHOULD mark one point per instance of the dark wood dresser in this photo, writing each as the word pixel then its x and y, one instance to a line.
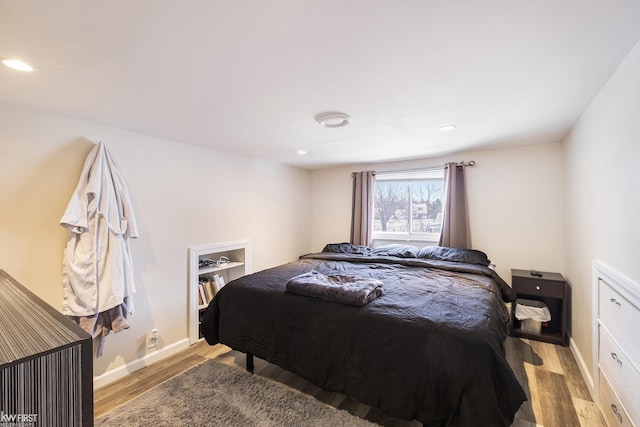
pixel 46 362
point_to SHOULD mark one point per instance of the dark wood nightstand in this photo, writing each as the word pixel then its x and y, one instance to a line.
pixel 553 290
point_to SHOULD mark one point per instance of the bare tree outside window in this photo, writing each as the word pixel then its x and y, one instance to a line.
pixel 408 205
pixel 426 203
pixel 391 205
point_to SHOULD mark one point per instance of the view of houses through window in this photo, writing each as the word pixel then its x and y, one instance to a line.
pixel 408 205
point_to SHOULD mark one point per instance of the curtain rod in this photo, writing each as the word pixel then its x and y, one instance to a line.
pixel 429 168
pixel 463 163
pixel 401 171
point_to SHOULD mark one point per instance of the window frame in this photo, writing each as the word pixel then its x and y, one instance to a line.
pixel 410 177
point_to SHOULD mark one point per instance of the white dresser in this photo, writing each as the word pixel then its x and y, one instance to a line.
pixel 616 346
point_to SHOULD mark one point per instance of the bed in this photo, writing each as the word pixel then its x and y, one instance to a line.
pixel 430 348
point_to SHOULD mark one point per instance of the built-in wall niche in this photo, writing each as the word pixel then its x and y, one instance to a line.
pixel 211 267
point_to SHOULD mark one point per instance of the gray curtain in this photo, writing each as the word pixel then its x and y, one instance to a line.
pixel 455 225
pixel 362 207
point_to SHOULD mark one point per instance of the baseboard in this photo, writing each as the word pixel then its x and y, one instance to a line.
pixel 583 367
pixel 123 371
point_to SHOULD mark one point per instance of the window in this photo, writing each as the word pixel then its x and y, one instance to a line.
pixel 408 205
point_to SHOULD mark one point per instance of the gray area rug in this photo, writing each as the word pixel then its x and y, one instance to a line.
pixel 214 394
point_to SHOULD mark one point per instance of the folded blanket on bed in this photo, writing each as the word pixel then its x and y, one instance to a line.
pixel 335 288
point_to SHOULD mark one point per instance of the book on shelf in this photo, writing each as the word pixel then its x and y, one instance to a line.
pixel 208 290
pixel 213 285
pixel 200 301
pixel 202 296
pixel 219 281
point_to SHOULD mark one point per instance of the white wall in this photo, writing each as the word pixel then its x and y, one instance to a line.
pixel 520 213
pixel 183 195
pixel 514 199
pixel 602 192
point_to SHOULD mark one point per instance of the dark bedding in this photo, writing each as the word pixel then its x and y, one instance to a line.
pixel 429 348
pixel 335 287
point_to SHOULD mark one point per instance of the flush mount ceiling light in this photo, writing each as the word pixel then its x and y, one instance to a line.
pixel 447 127
pixel 16 64
pixel 301 152
pixel 333 119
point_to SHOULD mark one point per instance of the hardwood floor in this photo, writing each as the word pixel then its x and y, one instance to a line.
pixel 558 395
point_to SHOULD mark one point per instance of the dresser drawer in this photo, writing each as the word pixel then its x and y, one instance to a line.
pixel 621 318
pixel 623 377
pixel 535 286
pixel 612 410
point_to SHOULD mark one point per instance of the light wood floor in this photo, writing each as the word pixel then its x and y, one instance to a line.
pixel 549 374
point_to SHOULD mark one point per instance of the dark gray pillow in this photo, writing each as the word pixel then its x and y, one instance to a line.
pixel 346 248
pixel 397 250
pixel 442 253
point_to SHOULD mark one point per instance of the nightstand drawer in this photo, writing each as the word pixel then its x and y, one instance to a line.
pixel 535 286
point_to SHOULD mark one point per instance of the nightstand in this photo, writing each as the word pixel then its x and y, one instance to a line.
pixel 553 290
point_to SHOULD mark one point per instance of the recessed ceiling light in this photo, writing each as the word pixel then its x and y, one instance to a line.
pixel 333 119
pixel 16 64
pixel 447 127
pixel 301 152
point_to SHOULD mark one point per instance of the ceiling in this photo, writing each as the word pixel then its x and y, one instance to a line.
pixel 249 76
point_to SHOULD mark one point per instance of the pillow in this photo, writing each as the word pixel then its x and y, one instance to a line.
pixel 346 248
pixel 397 250
pixel 442 253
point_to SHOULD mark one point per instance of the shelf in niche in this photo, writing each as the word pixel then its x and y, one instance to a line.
pixel 220 268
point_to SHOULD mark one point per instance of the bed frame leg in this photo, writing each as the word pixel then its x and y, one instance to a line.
pixel 250 362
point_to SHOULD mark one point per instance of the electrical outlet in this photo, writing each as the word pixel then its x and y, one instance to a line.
pixel 152 338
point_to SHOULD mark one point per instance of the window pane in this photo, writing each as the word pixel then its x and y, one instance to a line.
pixel 426 205
pixel 408 205
pixel 391 206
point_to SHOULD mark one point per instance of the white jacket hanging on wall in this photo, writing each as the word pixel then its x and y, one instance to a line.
pixel 97 266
